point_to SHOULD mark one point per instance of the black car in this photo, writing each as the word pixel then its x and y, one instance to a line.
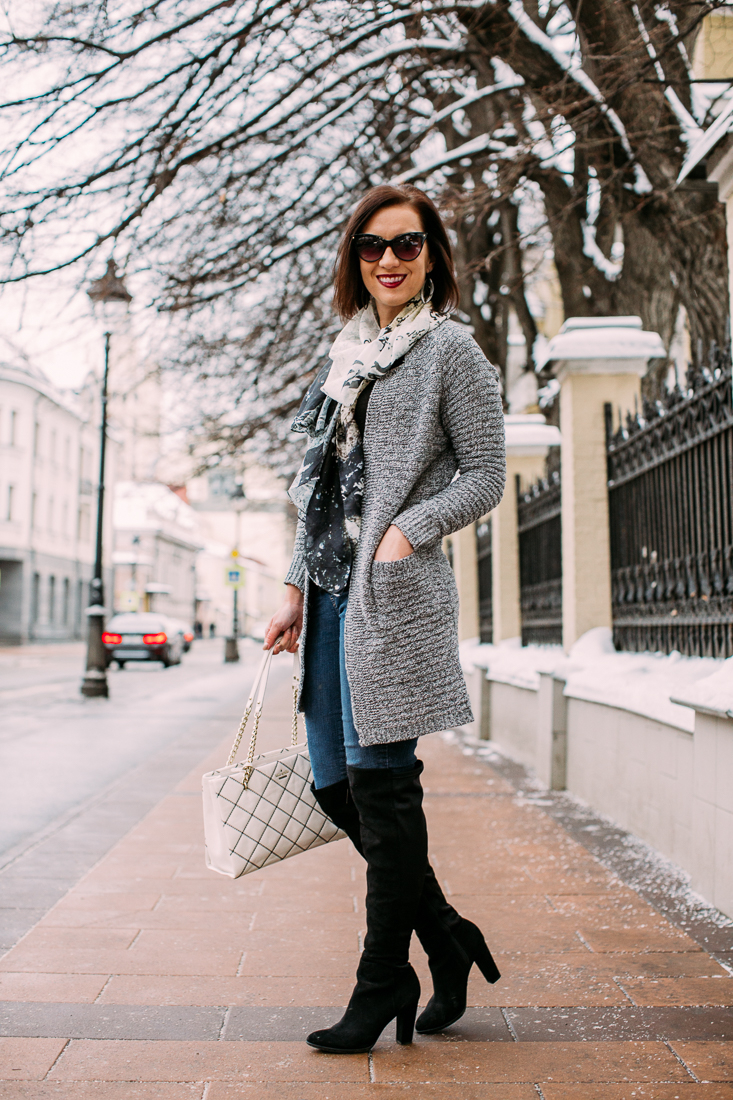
pixel 142 636
pixel 186 631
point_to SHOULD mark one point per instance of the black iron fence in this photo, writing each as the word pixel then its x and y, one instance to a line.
pixel 670 481
pixel 540 560
pixel 483 553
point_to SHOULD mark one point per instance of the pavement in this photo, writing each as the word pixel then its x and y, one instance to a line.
pixel 77 774
pixel 151 978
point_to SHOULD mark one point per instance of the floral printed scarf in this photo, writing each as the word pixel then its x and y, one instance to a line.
pixel 329 486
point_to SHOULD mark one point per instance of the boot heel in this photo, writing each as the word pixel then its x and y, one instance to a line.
pixel 406 1023
pixel 485 962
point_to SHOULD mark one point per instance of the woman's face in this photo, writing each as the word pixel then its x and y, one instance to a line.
pixel 392 282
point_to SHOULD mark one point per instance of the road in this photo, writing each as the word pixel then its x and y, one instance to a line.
pixel 76 774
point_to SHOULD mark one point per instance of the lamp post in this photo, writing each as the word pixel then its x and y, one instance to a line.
pixel 231 647
pixel 110 299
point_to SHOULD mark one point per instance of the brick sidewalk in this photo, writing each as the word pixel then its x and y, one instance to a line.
pixel 155 979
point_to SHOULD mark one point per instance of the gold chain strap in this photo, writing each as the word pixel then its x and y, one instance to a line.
pixel 296 685
pixel 258 688
pixel 247 773
pixel 240 734
pixel 264 667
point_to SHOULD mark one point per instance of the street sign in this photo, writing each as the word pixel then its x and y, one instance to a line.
pixel 128 601
pixel 234 576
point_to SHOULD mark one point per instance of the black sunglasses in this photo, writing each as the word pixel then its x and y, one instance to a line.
pixel 407 246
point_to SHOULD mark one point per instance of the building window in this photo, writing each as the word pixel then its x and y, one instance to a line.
pixel 50 514
pixel 52 599
pixel 35 592
pixel 65 602
pixel 13 427
pixel 65 519
pixel 34 505
pixel 10 503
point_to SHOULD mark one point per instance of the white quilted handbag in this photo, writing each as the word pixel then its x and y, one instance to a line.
pixel 263 810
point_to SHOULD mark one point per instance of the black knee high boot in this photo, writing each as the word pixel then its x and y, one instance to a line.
pixel 452 943
pixel 393 838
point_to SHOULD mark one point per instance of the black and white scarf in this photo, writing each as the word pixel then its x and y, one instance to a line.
pixel 329 486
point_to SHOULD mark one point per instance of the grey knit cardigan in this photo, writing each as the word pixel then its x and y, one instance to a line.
pixel 436 414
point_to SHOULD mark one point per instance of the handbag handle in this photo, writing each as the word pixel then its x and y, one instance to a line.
pixel 258 688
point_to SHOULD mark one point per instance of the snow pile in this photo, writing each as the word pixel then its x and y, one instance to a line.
pixel 713 694
pixel 530 430
pixel 643 683
pixel 512 663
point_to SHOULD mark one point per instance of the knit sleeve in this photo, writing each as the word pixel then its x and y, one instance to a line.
pixel 473 418
pixel 296 573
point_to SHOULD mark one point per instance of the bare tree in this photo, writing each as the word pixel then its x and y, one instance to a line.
pixel 222 145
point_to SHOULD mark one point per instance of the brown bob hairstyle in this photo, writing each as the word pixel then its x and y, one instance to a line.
pixel 350 293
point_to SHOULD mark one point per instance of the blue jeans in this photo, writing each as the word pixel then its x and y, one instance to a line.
pixel 332 739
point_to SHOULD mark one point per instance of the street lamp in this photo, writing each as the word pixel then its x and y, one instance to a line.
pixel 110 299
pixel 231 648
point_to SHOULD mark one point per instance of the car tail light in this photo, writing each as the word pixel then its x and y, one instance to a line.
pixel 188 637
pixel 155 639
pixel 111 639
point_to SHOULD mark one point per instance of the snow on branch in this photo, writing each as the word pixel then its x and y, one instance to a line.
pixel 480 144
pixel 332 116
pixel 473 97
pixel 365 62
pixel 689 126
pixel 534 34
pixel 609 268
pixel 432 120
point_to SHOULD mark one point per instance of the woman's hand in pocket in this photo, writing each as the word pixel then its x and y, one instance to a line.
pixel 393 546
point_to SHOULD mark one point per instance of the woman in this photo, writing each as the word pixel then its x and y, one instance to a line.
pixel 406 402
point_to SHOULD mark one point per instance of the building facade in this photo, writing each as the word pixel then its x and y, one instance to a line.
pixel 49 461
pixel 157 541
pixel 247 511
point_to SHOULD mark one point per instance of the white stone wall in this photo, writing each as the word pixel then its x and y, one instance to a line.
pixel 712 812
pixel 635 770
pixel 514 722
pixel 670 786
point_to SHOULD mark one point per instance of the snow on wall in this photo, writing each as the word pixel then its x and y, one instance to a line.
pixel 642 683
pixel 713 695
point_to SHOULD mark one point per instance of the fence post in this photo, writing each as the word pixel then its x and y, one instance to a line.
pixel 552 732
pixel 597 360
pixel 465 568
pixel 528 439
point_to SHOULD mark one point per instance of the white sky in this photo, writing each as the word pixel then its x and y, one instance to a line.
pixel 54 327
pixel 52 323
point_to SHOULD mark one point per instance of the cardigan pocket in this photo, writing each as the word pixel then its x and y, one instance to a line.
pixel 419 588
pixel 390 570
